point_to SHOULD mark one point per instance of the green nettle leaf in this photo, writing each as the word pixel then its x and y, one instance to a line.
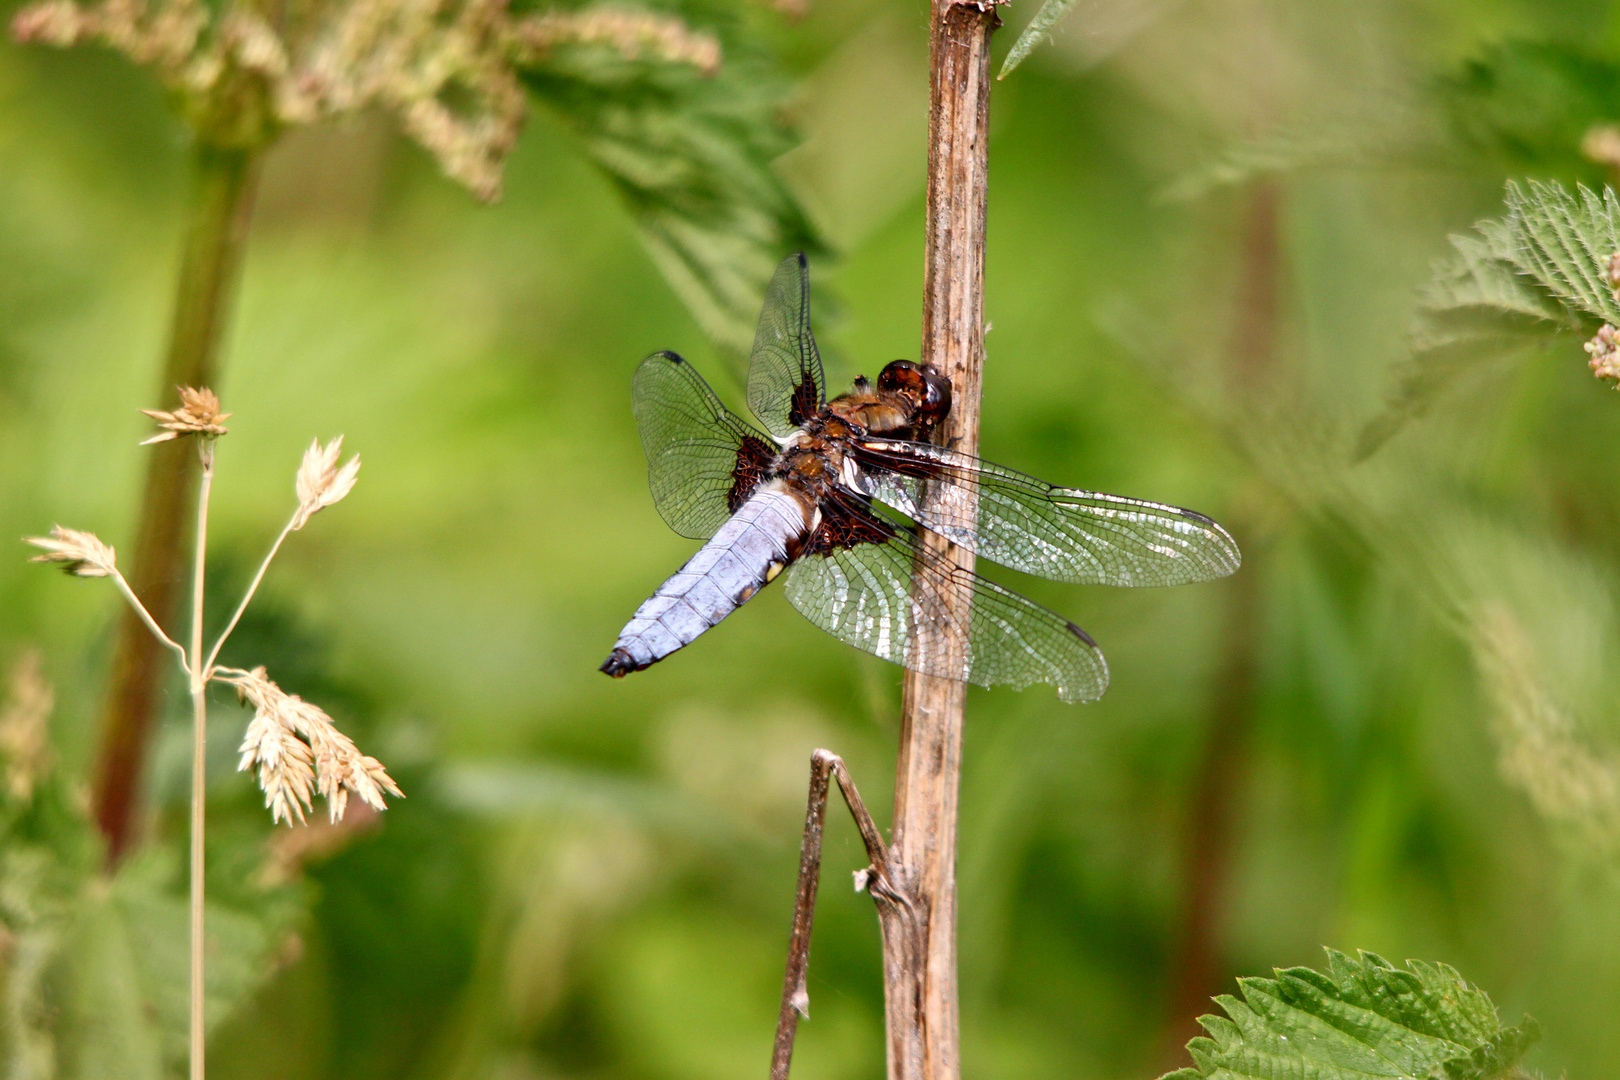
pixel 95 979
pixel 1035 33
pixel 1361 1018
pixel 691 153
pixel 1514 282
pixel 1546 261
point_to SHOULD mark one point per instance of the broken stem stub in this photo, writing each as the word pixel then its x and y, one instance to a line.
pixel 877 880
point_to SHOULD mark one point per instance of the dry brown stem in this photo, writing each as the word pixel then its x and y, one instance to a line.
pixel 876 879
pixel 920 983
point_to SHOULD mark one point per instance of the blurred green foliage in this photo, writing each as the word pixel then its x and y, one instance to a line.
pixel 592 878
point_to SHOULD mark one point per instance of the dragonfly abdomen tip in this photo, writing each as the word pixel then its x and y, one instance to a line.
pixel 619 664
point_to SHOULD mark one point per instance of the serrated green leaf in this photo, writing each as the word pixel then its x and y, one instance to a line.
pixel 691 153
pixel 1041 25
pixel 1514 282
pixel 157 917
pixel 1563 242
pixel 106 1030
pixel 1362 1018
pixel 95 981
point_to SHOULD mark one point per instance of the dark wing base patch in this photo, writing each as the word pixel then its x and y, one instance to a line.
pixel 755 457
pixel 867 582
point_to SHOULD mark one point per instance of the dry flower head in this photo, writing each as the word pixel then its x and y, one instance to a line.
pixel 632 34
pixel 447 69
pixel 198 414
pixel 297 751
pixel 1605 352
pixel 23 743
pixel 1601 144
pixel 320 482
pixel 80 553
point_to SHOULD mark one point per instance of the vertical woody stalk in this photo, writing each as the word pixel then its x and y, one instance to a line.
pixel 920 983
pixel 222 184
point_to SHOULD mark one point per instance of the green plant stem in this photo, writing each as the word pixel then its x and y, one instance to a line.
pixel 222 186
pixel 199 755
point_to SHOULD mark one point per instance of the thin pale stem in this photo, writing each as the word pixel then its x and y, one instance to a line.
pixel 221 200
pixel 876 880
pixel 247 597
pixel 151 623
pixel 199 758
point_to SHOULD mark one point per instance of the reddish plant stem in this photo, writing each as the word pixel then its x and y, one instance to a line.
pixel 1207 846
pixel 920 983
pixel 221 201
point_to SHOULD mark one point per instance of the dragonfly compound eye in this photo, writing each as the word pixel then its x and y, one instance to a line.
pixel 936 396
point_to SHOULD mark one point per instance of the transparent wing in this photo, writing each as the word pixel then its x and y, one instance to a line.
pixel 1058 533
pixel 702 461
pixel 859 588
pixel 785 385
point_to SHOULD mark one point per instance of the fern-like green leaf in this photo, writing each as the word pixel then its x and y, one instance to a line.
pixel 1361 1018
pixel 691 154
pixel 1041 25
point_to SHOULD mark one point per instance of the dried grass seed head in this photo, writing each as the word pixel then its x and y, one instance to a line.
pixel 80 553
pixel 284 767
pixel 320 482
pixel 281 719
pixel 198 414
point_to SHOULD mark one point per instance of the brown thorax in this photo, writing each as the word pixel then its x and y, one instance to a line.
pixel 906 403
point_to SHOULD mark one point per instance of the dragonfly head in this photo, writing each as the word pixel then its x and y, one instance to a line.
pixel 928 391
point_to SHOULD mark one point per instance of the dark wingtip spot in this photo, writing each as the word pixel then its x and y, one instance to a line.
pixel 1194 515
pixel 618 664
pixel 804 263
pixel 1082 635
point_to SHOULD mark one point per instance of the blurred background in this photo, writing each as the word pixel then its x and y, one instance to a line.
pixel 1394 729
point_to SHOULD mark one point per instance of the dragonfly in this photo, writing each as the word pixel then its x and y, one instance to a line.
pixel 833 496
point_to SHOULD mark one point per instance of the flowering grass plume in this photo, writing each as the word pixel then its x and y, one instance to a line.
pixel 320 482
pixel 296 750
pixel 79 553
pixel 198 414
